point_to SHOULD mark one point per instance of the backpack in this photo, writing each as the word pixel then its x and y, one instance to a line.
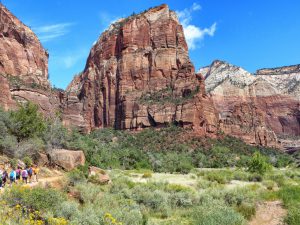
pixel 30 171
pixel 18 172
pixel 24 173
pixel 12 175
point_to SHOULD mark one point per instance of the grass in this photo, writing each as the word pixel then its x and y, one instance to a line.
pixel 210 199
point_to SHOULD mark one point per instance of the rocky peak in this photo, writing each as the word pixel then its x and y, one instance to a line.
pixel 138 75
pixel 286 79
pixel 21 53
pixel 261 109
pixel 221 71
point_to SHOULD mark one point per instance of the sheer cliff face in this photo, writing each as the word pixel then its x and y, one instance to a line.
pixel 261 109
pixel 138 75
pixel 21 53
pixel 23 66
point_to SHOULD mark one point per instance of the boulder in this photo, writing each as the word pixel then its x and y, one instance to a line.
pixel 42 159
pixel 99 175
pixel 67 159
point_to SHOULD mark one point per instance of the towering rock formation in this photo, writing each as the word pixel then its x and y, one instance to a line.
pixel 23 66
pixel 262 109
pixel 138 75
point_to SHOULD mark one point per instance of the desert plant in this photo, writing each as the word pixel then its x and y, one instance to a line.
pixel 28 161
pixel 147 175
pixel 258 164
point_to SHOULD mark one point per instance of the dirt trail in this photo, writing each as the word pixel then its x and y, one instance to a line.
pixel 269 213
pixel 48 180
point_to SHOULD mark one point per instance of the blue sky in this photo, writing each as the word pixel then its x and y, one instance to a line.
pixel 250 33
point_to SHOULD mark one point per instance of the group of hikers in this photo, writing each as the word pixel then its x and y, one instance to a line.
pixel 26 175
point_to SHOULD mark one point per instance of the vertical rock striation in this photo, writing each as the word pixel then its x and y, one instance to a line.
pixel 23 66
pixel 139 74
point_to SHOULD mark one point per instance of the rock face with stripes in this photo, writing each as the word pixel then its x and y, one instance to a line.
pixel 23 66
pixel 262 109
pixel 138 75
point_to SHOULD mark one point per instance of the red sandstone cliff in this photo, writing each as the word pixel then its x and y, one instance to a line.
pixel 138 75
pixel 23 66
pixel 262 109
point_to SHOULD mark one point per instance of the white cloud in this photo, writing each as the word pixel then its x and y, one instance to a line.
pixel 50 32
pixel 193 33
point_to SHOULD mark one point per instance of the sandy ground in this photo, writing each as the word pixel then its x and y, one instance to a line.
pixel 181 179
pixel 269 213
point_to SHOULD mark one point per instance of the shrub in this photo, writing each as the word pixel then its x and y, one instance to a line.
pixel 269 184
pixel 75 176
pixel 293 217
pixel 36 198
pixel 28 161
pixel 217 176
pixel 147 175
pixel 255 177
pixel 258 164
pixel 248 210
pixel 28 122
pixel 216 214
pixel 13 163
pixel 88 192
pixel 67 209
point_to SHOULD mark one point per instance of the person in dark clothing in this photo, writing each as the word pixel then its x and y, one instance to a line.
pixel 4 178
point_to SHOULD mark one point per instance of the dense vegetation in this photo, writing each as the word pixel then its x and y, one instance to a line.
pixel 142 194
pixel 208 199
pixel 171 149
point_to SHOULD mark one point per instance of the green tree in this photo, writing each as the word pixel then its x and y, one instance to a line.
pixel 27 122
pixel 259 164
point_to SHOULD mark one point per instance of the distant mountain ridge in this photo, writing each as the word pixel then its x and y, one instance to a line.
pixel 263 108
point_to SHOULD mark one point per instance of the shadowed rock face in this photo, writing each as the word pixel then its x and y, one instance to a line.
pixel 23 67
pixel 261 109
pixel 138 75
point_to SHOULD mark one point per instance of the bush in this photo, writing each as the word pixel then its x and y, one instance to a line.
pixel 216 176
pixel 27 121
pixel 259 164
pixel 248 210
pixel 75 176
pixel 216 214
pixel 293 217
pixel 269 184
pixel 255 177
pixel 13 163
pixel 28 161
pixel 147 175
pixel 67 209
pixel 36 198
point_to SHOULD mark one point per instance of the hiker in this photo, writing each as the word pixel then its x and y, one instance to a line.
pixel 12 176
pixel 4 178
pixel 1 173
pixel 29 172
pixel 24 174
pixel 18 174
pixel 36 171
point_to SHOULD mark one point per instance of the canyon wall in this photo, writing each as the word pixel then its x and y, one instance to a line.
pixel 138 75
pixel 23 67
pixel 262 109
